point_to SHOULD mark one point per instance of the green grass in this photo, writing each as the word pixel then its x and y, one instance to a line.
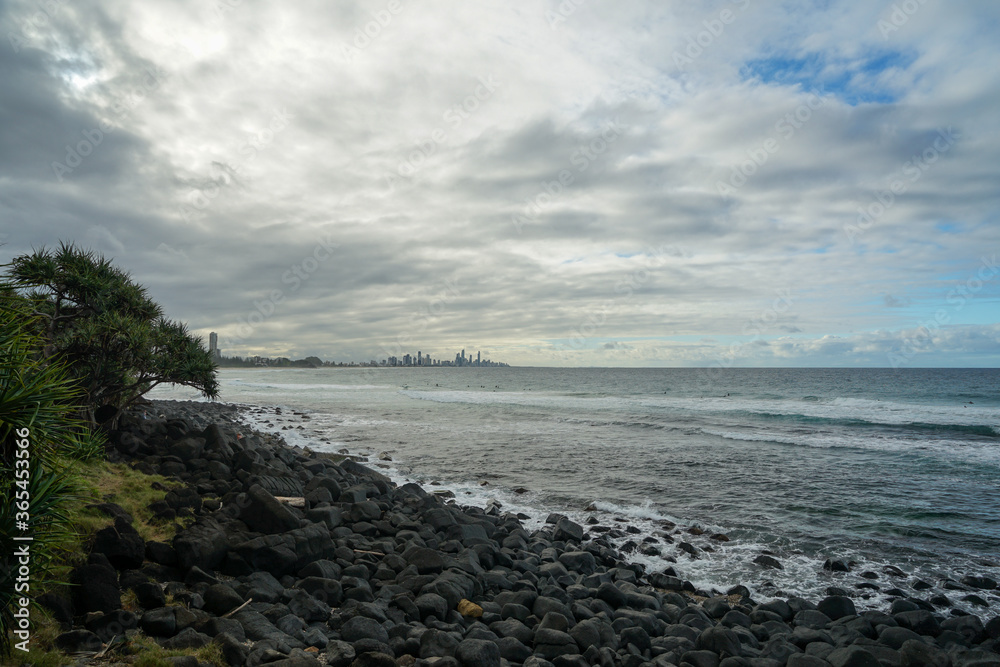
pixel 133 491
pixel 100 481
pixel 150 654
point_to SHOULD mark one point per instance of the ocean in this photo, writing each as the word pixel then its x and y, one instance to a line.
pixel 875 466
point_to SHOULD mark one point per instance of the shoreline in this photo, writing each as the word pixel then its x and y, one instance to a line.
pixel 544 564
pixel 873 582
pixel 362 571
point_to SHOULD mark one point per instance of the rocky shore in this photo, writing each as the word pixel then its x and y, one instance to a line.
pixel 296 558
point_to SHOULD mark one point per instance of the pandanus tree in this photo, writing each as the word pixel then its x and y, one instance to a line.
pixel 113 337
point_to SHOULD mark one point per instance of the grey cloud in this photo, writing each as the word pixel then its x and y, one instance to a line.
pixel 584 256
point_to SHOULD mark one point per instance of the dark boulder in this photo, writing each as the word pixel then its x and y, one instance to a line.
pixel 233 651
pixel 895 637
pixel 113 624
pixel 361 627
pixel 980 582
pixel 917 653
pixel 262 512
pixel 122 545
pixel 478 653
pixel 852 656
pixel 323 589
pixel 567 531
pixel 719 640
pixel 920 621
pixel 768 562
pixel 96 587
pixel 221 599
pixel 437 644
pixel 162 553
pixel 427 561
pixel 204 545
pixel 833 565
pixel 78 640
pixel 551 643
pixel 837 606
pixel 186 639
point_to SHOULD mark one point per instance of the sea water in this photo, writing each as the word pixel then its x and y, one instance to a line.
pixel 875 466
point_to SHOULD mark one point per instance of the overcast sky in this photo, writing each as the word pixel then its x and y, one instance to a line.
pixel 740 182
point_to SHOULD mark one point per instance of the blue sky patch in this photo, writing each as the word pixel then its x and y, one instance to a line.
pixel 853 80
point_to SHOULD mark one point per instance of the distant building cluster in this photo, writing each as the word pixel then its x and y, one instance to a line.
pixel 426 360
pixel 315 362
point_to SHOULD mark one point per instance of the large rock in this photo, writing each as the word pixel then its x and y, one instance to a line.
pixel 203 545
pixel 837 606
pixel 852 656
pixel 920 621
pixel 114 624
pixel 96 587
pixel 582 562
pixel 427 561
pixel 594 632
pixel 185 639
pixel 567 531
pixel 719 640
pixel 437 644
pixel 551 643
pixel 221 599
pixel 478 653
pixel 970 627
pixel 262 512
pixel 233 651
pixel 915 653
pixel 78 640
pixel 511 627
pixel 325 590
pixel 361 627
pixel 262 587
pixel 121 544
pixel 896 637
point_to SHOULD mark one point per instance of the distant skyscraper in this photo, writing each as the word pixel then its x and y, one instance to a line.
pixel 213 345
pixel 420 358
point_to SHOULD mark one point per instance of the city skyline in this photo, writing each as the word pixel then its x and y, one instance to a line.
pixel 406 360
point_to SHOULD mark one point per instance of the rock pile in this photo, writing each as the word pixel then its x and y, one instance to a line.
pixel 368 573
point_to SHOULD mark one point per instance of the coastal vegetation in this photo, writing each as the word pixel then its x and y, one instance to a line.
pixel 103 326
pixel 79 342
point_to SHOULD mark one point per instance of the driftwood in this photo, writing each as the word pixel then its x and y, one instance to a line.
pixel 292 501
pixel 230 613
